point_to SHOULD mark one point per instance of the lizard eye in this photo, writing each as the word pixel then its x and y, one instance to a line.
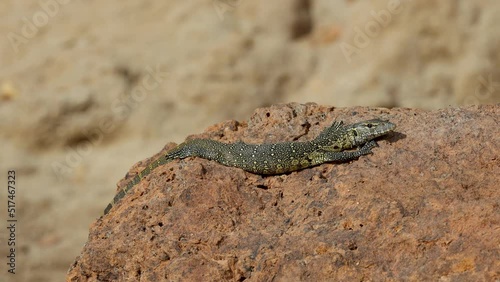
pixel 369 125
pixel 336 147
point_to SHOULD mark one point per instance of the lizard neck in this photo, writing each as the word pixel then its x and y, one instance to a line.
pixel 203 148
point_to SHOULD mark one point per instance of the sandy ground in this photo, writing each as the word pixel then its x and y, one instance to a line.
pixel 88 88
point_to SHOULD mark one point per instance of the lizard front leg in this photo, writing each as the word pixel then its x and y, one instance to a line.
pixel 349 155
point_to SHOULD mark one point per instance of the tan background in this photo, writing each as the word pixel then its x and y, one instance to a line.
pixel 88 88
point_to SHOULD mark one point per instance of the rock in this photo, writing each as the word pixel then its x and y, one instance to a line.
pixel 424 206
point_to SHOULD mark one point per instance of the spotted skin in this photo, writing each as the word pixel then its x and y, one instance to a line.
pixel 331 145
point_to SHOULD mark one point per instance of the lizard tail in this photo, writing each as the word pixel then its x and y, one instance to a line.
pixel 145 172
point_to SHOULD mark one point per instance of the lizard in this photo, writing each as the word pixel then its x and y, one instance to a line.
pixel 333 144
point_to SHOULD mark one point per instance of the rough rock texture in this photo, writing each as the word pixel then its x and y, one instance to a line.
pixel 424 206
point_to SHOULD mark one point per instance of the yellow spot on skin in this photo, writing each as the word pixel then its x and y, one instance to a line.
pixel 304 163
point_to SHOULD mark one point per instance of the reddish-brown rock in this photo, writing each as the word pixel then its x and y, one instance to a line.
pixel 424 206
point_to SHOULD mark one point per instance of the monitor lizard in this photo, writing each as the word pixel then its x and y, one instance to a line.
pixel 330 145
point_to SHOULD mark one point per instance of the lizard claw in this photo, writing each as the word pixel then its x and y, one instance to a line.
pixel 367 148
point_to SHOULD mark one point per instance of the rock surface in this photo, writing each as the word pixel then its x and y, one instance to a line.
pixel 424 206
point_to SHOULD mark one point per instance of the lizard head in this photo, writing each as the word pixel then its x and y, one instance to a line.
pixel 338 138
pixel 362 132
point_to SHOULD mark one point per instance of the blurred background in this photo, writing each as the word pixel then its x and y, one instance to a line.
pixel 88 88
